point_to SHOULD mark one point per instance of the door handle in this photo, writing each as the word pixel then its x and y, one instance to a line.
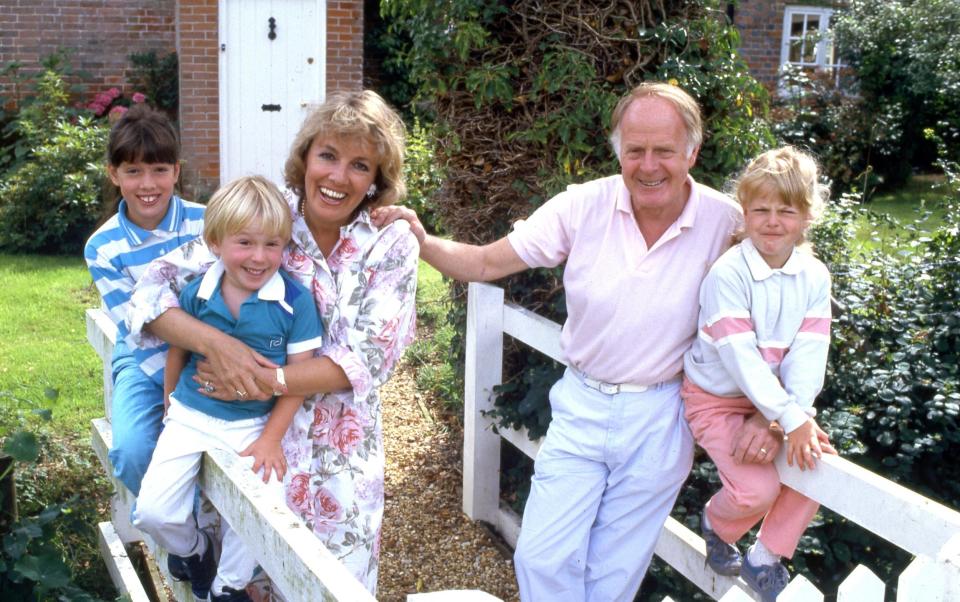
pixel 269 107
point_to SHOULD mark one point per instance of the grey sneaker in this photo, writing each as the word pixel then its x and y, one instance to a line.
pixel 768 580
pixel 231 595
pixel 723 558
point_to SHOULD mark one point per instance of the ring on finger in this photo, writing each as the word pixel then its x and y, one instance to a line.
pixel 208 387
pixel 241 394
pixel 763 451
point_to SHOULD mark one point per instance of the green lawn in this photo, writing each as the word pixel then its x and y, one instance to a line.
pixel 43 347
pixel 918 205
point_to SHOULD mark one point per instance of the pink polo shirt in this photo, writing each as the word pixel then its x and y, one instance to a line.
pixel 631 311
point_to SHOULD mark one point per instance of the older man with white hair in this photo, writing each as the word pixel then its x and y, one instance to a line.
pixel 636 246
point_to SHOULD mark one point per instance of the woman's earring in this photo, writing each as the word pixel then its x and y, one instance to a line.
pixel 371 191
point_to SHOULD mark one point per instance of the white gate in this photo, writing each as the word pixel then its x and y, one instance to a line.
pixel 272 70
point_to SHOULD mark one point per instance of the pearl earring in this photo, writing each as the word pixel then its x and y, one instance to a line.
pixel 372 190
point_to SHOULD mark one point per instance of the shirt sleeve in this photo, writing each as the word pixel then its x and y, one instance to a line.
pixel 113 285
pixel 544 239
pixel 729 328
pixel 803 367
pixel 306 332
pixel 158 288
pixel 368 349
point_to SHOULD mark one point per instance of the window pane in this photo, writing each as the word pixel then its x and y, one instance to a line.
pixel 796 25
pixel 810 49
pixel 813 23
pixel 796 50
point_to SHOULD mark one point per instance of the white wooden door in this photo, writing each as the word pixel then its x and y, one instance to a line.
pixel 272 70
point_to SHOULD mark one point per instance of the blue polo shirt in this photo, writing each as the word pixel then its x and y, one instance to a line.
pixel 280 318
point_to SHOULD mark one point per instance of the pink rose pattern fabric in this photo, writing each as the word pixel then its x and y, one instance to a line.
pixel 365 293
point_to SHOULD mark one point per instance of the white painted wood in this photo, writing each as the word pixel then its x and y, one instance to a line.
pixel 533 329
pixel 520 438
pixel 483 370
pixel 101 334
pixel 861 586
pixel 686 552
pixel 905 518
pixel 121 504
pixel 508 525
pixel 289 71
pixel 454 595
pixel 296 560
pixel 736 595
pixel 122 573
pixel 800 590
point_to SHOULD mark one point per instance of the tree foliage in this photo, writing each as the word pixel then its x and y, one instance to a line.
pixel 906 56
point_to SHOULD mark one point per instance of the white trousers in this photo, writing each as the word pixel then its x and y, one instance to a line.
pixel 166 502
pixel 605 480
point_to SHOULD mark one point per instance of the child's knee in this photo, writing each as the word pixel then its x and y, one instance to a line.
pixel 758 496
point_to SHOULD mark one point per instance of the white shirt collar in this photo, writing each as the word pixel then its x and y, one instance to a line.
pixel 274 290
pixel 759 268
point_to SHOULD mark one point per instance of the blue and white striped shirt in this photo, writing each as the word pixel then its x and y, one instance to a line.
pixel 118 253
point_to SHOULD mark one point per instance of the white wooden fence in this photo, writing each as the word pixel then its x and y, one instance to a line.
pixel 297 562
pixel 922 527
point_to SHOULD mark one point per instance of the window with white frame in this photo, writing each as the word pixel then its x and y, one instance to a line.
pixel 807 40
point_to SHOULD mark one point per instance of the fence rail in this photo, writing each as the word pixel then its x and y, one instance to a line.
pixel 922 527
pixel 296 560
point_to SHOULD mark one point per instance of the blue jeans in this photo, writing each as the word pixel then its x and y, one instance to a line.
pixel 136 418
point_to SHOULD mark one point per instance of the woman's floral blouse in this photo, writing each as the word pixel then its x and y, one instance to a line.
pixel 365 292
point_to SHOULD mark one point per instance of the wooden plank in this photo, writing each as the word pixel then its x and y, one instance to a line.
pixel 454 595
pixel 520 438
pixel 508 525
pixel 296 560
pixel 483 370
pixel 800 590
pixel 905 518
pixel 686 552
pixel 101 334
pixel 121 570
pixel 533 329
pixel 861 586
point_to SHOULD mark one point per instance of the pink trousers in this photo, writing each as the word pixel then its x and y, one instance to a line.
pixel 750 492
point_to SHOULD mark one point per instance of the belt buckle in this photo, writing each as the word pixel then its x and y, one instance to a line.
pixel 608 388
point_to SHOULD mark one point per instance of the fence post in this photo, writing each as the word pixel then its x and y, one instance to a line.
pixel 932 580
pixel 482 371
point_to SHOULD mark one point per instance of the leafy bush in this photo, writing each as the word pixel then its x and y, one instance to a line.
pixel 50 203
pixel 906 56
pixel 159 78
pixel 422 174
pixel 32 565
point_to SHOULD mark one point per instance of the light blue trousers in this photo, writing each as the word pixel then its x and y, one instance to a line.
pixel 607 476
pixel 136 418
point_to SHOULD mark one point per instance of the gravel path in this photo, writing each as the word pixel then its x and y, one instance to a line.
pixel 428 544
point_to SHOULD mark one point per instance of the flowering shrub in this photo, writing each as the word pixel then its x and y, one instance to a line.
pixel 112 104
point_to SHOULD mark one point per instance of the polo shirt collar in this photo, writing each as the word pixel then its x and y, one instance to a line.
pixel 759 268
pixel 274 290
pixel 170 222
pixel 688 216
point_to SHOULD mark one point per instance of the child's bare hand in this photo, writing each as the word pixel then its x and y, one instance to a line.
pixel 806 444
pixel 267 455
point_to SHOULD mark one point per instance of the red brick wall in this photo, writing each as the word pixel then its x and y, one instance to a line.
pixel 100 34
pixel 103 33
pixel 197 48
pixel 760 23
pixel 344 45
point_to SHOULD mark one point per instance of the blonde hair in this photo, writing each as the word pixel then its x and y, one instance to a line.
pixel 685 105
pixel 364 115
pixel 791 174
pixel 244 201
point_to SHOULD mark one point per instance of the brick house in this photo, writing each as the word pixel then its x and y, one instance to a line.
pixel 775 33
pixel 101 34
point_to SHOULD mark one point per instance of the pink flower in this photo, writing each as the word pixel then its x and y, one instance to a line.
pixel 116 113
pixel 326 505
pixel 298 492
pixel 295 261
pixel 376 545
pixel 113 93
pixel 347 433
pixel 139 97
pixel 345 253
pixel 322 420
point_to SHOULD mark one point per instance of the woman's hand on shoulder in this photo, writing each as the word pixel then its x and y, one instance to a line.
pixel 384 216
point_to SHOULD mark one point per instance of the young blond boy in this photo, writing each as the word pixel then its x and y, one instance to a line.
pixel 247 225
